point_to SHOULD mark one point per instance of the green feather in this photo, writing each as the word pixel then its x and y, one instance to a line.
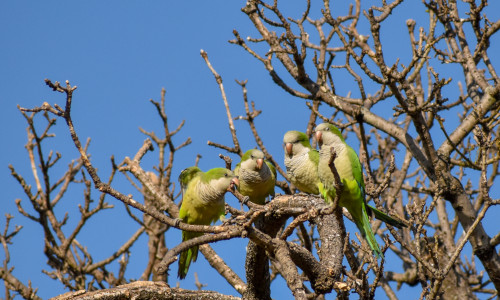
pixel 314 156
pixel 271 167
pixel 332 128
pixel 215 173
pixel 188 256
pixel 386 218
pixel 364 226
pixel 187 175
pixel 248 154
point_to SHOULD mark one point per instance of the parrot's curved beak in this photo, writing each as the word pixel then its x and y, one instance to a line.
pixel 319 137
pixel 234 183
pixel 288 148
pixel 260 161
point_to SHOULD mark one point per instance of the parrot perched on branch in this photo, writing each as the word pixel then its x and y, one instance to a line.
pixel 202 204
pixel 351 175
pixel 257 176
pixel 301 162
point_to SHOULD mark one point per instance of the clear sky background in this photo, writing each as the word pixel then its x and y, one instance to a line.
pixel 120 54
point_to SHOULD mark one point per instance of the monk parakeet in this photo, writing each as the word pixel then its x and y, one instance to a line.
pixel 256 175
pixel 202 204
pixel 301 162
pixel 351 175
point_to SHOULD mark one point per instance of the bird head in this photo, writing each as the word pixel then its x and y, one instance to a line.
pixel 253 159
pixel 222 179
pixel 294 141
pixel 328 134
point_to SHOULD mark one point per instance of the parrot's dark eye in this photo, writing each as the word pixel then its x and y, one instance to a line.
pixel 252 157
pixel 225 175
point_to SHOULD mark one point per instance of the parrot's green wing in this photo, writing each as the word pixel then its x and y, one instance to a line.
pixel 271 167
pixel 357 170
pixel 314 156
pixel 187 175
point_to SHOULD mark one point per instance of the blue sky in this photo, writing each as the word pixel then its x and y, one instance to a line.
pixel 120 54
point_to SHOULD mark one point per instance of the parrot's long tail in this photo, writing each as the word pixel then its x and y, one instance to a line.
pixel 187 256
pixel 386 218
pixel 364 226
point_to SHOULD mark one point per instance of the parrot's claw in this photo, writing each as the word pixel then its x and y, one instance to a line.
pixel 227 222
pixel 245 200
pixel 177 221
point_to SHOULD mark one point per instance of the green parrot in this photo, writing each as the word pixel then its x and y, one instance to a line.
pixel 256 175
pixel 353 196
pixel 301 162
pixel 202 204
